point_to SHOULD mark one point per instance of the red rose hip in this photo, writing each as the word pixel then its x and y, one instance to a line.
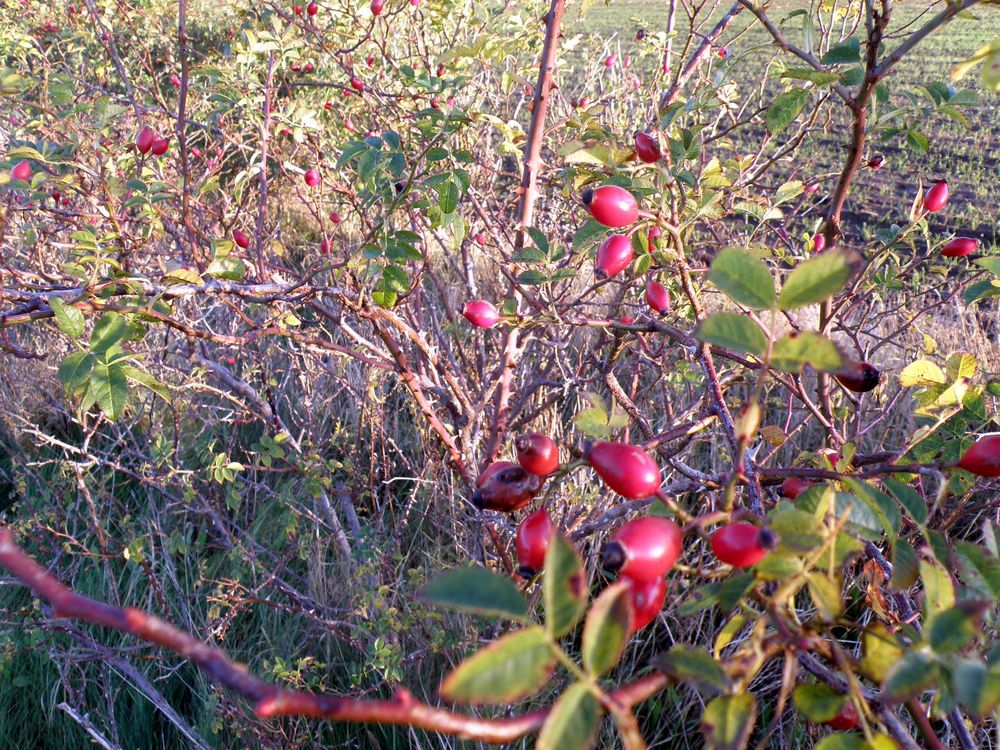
pixel 983 457
pixel 646 147
pixel 537 454
pixel 311 177
pixel 613 256
pixel 846 720
pixel 532 541
pixel 506 490
pixel 160 146
pixel 859 377
pixel 741 544
pixel 626 469
pixel 481 313
pixel 792 487
pixel 657 297
pixel 960 247
pixel 647 599
pixel 21 171
pixel 611 205
pixel 377 7
pixel 643 549
pixel 241 239
pixel 936 196
pixel 144 139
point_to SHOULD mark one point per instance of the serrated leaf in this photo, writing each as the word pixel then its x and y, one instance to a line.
pixel 784 109
pixel 905 566
pixel 732 331
pixel 475 589
pixel 68 318
pixel 939 591
pixel 573 721
pixel 795 351
pixel 914 673
pixel 743 278
pixel 230 268
pixel 733 589
pixel 980 570
pixel 728 721
pixel 564 586
pixel 108 331
pixel 880 503
pixel 817 703
pixel 135 375
pixel 817 279
pixel 951 630
pixel 692 664
pixel 921 373
pixel 75 369
pixel 109 388
pixel 909 498
pixel 508 669
pixel 607 628
pixel 843 53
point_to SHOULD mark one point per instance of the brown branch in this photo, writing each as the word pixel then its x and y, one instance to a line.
pixel 270 700
pixel 526 211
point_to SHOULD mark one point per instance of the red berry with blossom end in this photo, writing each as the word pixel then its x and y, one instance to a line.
pixel 241 239
pixel 647 148
pixel 334 217
pixel 640 34
pixel 609 61
pixel 983 457
pixel 741 544
pixel 647 599
pixel 175 79
pixel 537 454
pixel 859 377
pixel 846 720
pixel 481 313
pixel 312 9
pixel 611 205
pixel 936 196
pixel 657 297
pixel 819 243
pixel 876 162
pixel 144 139
pixel 626 469
pixel 480 239
pixel 21 171
pixel 506 489
pixel 812 188
pixel 311 177
pixel 532 541
pixel 792 487
pixel 614 255
pixel 357 84
pixel 492 469
pixel 643 549
pixel 160 146
pixel 377 6
pixel 960 247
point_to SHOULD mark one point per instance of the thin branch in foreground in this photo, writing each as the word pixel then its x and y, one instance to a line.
pixel 270 700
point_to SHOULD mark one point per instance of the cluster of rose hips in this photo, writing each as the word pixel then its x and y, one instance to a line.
pixel 146 141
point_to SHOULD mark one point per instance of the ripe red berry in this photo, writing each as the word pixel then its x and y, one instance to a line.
pixel 723 53
pixel 741 544
pixel 611 205
pixel 308 67
pixel 831 455
pixel 55 196
pixel 647 148
pixel 144 139
pixel 297 10
pixel 532 541
pixel 983 457
pixel 357 84
pixel 241 239
pixel 21 171
pixel 480 239
pixel 311 177
pixel 538 454
pixel 334 217
pixel 936 196
pixel 846 720
pixel 876 162
pixel 481 313
pixel 626 469
pixel 657 297
pixel 647 599
pixel 614 255
pixel 640 34
pixel 506 489
pixel 609 61
pixel 859 377
pixel 370 60
pixel 792 487
pixel 819 243
pixel 491 470
pixel 960 247
pixel 175 79
pixel 312 9
pixel 812 188
pixel 377 6
pixel 643 549
pixel 160 146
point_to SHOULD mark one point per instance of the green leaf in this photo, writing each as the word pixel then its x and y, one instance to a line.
pixel 800 348
pixel 914 673
pixel 976 686
pixel 843 53
pixel 564 586
pixel 108 331
pixel 733 589
pixel 728 721
pixel 784 109
pixel 68 318
pixel 573 721
pixel 817 279
pixel 75 369
pixel 692 664
pixel 109 388
pixel 135 375
pixel 510 668
pixel 841 741
pixel 909 498
pixel 825 594
pixel 732 331
pixel 607 628
pixel 905 566
pixel 743 278
pixel 951 630
pixel 939 590
pixel 980 570
pixel 881 504
pixel 473 588
pixel 230 268
pixel 817 703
